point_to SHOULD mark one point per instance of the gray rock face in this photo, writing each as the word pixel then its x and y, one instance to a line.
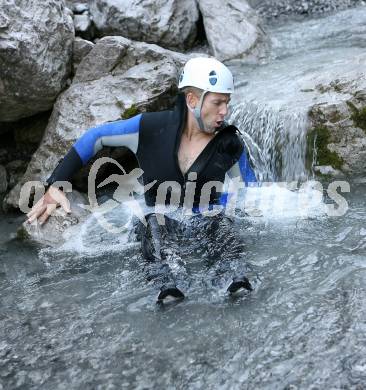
pixel 341 135
pixel 35 55
pixel 233 30
pixel 169 23
pixel 117 75
pixel 59 224
pixel 81 48
pixel 82 23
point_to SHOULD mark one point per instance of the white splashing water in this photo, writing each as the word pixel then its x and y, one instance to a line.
pixel 275 139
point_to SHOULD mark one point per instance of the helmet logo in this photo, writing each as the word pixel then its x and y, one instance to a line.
pixel 212 77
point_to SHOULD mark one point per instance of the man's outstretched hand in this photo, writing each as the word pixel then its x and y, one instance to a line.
pixel 47 204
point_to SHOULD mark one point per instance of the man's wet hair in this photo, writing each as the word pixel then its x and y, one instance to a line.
pixel 196 91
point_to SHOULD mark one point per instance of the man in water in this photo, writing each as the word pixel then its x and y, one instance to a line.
pixel 190 144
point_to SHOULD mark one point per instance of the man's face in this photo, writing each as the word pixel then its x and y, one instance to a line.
pixel 214 109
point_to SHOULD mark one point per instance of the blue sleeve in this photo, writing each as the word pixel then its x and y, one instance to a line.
pixel 246 170
pixel 118 133
pixel 247 175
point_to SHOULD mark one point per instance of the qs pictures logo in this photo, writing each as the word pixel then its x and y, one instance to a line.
pixel 128 185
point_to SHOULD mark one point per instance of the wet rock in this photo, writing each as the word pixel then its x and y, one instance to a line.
pixel 82 24
pixel 327 170
pixel 16 170
pixel 338 131
pixel 233 30
pixel 78 6
pixel 54 231
pixel 118 77
pixel 3 179
pixel 81 48
pixel 35 55
pixel 169 23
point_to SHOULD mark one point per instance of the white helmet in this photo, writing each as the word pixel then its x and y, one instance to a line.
pixel 207 74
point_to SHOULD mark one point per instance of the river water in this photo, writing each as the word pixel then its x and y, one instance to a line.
pixel 82 316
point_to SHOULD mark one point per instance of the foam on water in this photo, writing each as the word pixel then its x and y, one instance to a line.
pixel 269 201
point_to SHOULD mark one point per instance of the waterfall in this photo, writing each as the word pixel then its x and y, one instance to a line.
pixel 275 139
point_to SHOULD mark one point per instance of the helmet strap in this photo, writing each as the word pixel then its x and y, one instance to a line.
pixel 197 112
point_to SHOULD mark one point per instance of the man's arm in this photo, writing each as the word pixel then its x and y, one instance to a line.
pixel 119 133
pixel 243 169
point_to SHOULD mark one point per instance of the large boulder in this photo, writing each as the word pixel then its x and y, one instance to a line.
pixel 35 55
pixel 118 78
pixel 338 132
pixel 233 30
pixel 169 23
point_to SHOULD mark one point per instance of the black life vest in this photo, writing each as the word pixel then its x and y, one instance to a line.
pixel 157 154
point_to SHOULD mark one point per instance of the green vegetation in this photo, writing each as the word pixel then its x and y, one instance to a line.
pixel 324 156
pixel 22 234
pixel 130 112
pixel 358 116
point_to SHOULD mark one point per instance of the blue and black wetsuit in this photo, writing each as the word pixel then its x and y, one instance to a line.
pixel 155 139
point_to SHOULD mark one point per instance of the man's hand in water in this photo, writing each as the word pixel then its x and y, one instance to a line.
pixel 47 204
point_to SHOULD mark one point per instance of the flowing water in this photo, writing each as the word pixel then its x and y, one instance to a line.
pixel 83 316
pixel 271 101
